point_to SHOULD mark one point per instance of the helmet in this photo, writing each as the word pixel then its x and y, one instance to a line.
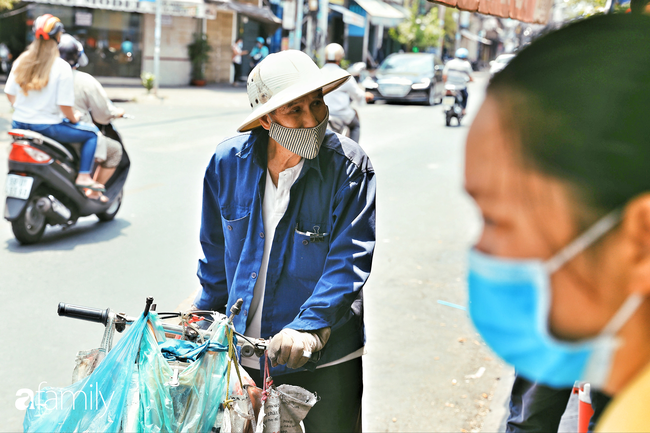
pixel 284 77
pixel 72 51
pixel 334 53
pixel 261 40
pixel 462 53
pixel 47 26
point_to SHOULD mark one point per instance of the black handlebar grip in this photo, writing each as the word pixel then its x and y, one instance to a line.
pixel 83 313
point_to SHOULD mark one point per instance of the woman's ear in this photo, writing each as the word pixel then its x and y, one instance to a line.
pixel 636 229
pixel 266 121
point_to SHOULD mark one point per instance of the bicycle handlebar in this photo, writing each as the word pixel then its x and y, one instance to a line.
pixel 83 313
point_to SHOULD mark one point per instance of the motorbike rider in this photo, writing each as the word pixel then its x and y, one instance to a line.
pixel 40 89
pixel 458 72
pixel 339 101
pixel 91 101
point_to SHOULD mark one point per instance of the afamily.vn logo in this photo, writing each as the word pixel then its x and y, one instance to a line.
pixel 58 399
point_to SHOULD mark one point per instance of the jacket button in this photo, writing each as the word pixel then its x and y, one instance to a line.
pixel 229 227
pixel 262 235
pixel 253 275
pixel 305 242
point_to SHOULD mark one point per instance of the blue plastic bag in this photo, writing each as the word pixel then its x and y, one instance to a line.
pixel 95 403
pixel 185 400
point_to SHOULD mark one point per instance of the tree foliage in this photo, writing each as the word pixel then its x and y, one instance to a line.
pixel 6 4
pixel 419 31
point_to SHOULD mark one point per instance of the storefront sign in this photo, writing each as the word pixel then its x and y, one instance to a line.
pixel 83 19
pixel 175 8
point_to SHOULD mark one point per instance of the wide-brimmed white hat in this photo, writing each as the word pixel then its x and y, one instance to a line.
pixel 283 77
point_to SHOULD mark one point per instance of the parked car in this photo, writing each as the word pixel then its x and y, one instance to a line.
pixel 499 63
pixel 412 77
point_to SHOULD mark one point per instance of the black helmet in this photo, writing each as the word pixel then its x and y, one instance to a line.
pixel 46 26
pixel 72 51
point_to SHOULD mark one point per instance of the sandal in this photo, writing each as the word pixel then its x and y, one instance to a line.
pixel 96 195
pixel 98 187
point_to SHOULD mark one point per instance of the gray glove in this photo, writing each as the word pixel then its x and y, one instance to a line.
pixel 294 348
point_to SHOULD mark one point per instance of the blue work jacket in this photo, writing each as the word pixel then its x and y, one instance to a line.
pixel 322 248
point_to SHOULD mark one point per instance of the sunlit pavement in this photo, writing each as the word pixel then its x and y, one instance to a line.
pixel 426 369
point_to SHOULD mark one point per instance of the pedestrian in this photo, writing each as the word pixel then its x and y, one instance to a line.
pixel 237 53
pixel 259 52
pixel 40 88
pixel 557 161
pixel 288 225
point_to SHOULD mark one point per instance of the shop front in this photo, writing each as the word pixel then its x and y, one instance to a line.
pixel 111 39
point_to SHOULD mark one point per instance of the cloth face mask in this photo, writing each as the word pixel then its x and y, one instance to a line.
pixel 509 303
pixel 305 142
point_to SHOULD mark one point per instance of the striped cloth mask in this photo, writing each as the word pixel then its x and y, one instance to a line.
pixel 301 141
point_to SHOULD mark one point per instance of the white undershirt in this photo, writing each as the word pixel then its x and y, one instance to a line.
pixel 274 206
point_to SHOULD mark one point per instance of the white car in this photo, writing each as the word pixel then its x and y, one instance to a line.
pixel 499 63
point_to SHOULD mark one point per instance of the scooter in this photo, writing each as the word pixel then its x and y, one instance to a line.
pixel 5 60
pixel 41 187
pixel 452 104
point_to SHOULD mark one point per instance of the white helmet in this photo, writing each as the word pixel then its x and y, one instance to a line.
pixel 283 77
pixel 334 53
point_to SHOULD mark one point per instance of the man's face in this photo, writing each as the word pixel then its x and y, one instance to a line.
pixel 305 112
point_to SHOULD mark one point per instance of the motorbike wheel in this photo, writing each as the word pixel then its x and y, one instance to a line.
pixel 30 226
pixel 112 210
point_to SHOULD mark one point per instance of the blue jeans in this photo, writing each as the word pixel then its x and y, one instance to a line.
pixel 67 132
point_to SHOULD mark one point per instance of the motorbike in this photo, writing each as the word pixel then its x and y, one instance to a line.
pixel 452 104
pixel 41 189
pixel 5 60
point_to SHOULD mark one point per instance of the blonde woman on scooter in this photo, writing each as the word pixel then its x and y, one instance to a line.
pixel 40 87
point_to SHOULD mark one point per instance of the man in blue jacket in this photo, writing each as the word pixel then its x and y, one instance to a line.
pixel 288 225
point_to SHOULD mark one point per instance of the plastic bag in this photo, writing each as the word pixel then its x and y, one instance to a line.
pixel 92 404
pixel 176 397
pixel 88 360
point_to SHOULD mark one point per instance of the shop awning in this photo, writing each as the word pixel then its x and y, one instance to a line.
pixel 189 8
pixel 349 17
pixel 529 11
pixel 263 15
pixel 381 13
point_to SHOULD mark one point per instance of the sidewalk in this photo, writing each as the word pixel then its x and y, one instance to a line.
pixel 215 95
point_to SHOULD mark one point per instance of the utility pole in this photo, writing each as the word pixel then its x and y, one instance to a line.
pixel 300 10
pixel 321 31
pixel 441 22
pixel 156 50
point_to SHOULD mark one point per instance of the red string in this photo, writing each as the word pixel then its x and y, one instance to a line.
pixel 268 381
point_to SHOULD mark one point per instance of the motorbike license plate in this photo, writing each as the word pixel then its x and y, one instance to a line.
pixel 449 101
pixel 19 186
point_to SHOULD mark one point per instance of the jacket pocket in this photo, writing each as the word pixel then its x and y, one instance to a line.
pixel 234 234
pixel 311 243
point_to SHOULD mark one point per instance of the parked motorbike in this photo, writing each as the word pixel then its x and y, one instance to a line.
pixel 452 104
pixel 5 60
pixel 41 187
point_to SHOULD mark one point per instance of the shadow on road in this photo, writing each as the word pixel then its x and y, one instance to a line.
pixel 84 232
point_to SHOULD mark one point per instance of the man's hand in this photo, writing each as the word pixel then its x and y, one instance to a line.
pixel 369 96
pixel 294 348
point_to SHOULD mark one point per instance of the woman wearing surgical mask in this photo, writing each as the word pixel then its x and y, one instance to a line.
pixel 558 161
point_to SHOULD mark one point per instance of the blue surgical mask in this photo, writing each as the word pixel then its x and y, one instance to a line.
pixel 509 303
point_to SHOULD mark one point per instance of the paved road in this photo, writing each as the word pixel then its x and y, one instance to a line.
pixel 419 351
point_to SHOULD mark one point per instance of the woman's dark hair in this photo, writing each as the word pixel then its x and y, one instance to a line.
pixel 578 100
